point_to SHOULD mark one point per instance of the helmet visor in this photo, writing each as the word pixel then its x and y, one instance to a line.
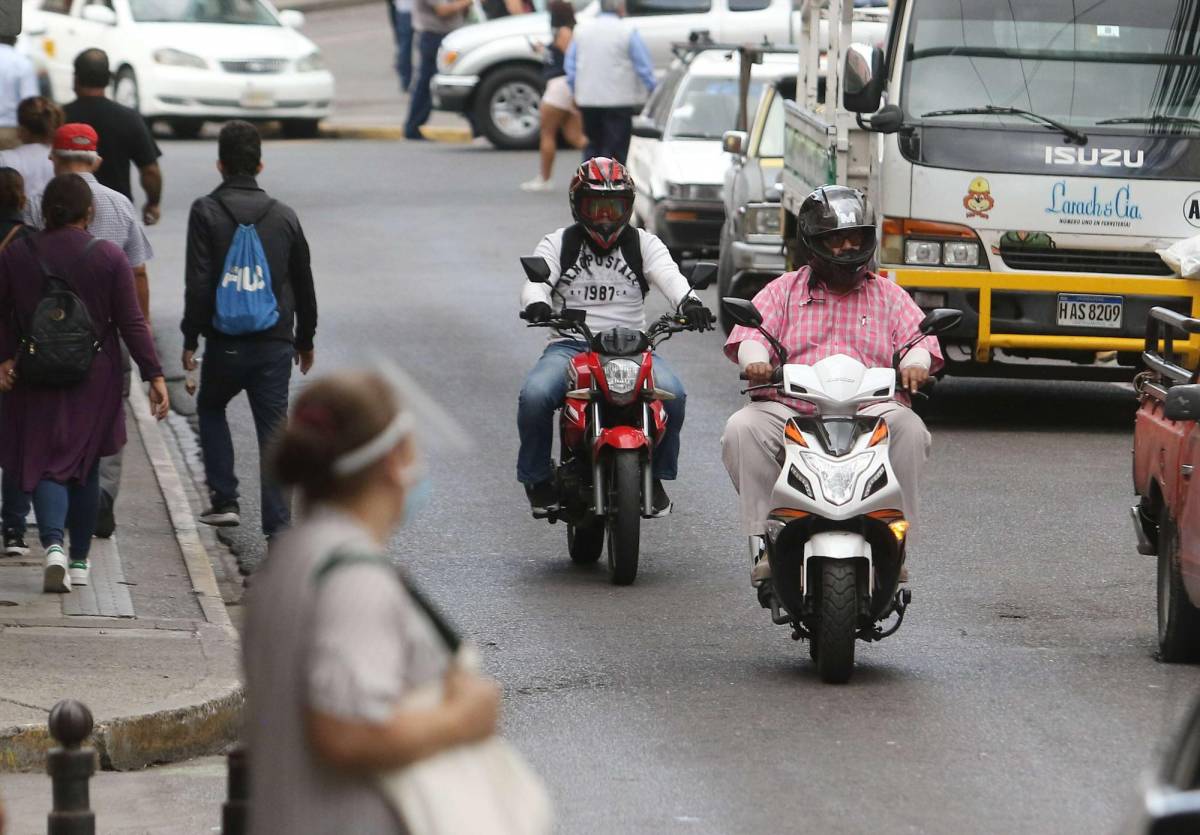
pixel 852 245
pixel 610 209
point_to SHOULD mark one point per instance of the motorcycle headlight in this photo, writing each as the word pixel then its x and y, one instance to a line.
pixel 837 478
pixel 763 220
pixel 179 58
pixel 621 375
pixel 312 62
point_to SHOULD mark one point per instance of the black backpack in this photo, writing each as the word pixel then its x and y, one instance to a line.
pixel 630 244
pixel 58 345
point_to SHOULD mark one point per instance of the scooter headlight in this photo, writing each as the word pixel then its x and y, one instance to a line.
pixel 837 478
pixel 622 375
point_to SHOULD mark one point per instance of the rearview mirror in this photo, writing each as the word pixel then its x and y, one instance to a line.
pixel 862 84
pixel 888 119
pixel 97 13
pixel 572 314
pixel 742 311
pixel 940 320
pixel 292 18
pixel 645 128
pixel 703 275
pixel 536 269
pixel 734 142
pixel 1183 403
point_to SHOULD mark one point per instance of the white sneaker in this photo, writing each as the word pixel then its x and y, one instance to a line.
pixel 537 184
pixel 55 577
pixel 78 572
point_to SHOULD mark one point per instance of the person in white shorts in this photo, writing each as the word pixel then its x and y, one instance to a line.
pixel 558 111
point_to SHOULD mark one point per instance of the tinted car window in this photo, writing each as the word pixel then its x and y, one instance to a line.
pixel 645 8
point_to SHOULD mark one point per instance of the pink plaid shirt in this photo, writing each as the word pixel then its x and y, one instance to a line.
pixel 869 323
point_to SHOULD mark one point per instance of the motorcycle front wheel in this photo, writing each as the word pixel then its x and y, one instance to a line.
pixel 624 516
pixel 585 542
pixel 837 622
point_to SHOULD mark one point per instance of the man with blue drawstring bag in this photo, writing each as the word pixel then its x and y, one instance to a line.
pixel 249 293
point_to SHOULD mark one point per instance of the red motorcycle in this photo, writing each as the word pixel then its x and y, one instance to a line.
pixel 609 424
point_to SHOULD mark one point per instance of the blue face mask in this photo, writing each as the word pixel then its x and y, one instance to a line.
pixel 416 498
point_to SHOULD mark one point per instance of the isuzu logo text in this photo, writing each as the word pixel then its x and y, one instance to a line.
pixel 1103 157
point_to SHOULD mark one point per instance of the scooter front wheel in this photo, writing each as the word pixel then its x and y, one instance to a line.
pixel 625 516
pixel 837 623
pixel 585 542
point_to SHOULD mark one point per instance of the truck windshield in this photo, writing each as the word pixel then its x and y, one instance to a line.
pixel 705 108
pixel 1133 67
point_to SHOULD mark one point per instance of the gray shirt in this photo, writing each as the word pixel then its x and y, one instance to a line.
pixel 115 221
pixel 349 643
pixel 425 19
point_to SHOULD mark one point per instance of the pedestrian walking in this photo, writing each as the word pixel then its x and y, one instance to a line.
pixel 37 120
pixel 611 75
pixel 334 642
pixel 18 81
pixel 246 253
pixel 14 505
pixel 400 14
pixel 433 21
pixel 124 136
pixel 53 432
pixel 557 111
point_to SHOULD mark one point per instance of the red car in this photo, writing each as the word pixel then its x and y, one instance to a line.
pixel 1166 454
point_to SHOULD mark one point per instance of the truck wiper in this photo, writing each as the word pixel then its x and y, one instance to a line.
pixel 1078 137
pixel 1155 119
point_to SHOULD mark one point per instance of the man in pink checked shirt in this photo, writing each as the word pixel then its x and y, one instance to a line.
pixel 835 305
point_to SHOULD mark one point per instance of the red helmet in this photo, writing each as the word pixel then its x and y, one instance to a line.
pixel 602 199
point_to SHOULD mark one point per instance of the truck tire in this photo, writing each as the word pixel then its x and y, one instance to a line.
pixel 724 282
pixel 506 107
pixel 1178 619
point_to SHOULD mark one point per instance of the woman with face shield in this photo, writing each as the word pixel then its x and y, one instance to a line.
pixel 334 642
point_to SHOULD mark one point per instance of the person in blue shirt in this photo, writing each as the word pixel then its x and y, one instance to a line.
pixel 611 75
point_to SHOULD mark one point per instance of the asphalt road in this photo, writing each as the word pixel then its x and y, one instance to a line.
pixel 1020 696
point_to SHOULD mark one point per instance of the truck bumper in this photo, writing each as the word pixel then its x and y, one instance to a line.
pixel 453 92
pixel 1017 312
pixel 690 226
pixel 754 266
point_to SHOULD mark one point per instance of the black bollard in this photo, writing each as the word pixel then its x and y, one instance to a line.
pixel 70 767
pixel 236 809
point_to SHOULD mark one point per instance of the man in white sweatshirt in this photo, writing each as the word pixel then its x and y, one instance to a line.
pixel 603 266
pixel 835 305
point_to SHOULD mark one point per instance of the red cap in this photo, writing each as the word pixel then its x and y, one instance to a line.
pixel 76 136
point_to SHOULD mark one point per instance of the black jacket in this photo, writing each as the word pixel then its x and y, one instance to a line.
pixel 210 232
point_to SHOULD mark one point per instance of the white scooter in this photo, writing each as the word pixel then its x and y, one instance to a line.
pixel 835 537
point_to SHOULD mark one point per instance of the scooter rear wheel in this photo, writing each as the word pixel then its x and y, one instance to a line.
pixel 585 542
pixel 625 516
pixel 837 625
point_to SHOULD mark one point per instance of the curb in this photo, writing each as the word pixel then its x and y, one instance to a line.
pixel 434 133
pixel 172 733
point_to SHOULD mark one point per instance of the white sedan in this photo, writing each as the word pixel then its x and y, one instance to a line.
pixel 186 61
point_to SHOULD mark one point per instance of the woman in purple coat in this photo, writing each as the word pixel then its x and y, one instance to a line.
pixel 53 438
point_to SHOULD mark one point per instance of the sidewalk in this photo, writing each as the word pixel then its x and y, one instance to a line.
pixel 147 646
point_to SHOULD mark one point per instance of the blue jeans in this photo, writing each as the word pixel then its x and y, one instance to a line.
pixel 71 506
pixel 14 505
pixel 262 370
pixel 402 28
pixel 543 392
pixel 421 103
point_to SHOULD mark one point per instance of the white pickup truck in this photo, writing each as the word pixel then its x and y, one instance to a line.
pixel 491 72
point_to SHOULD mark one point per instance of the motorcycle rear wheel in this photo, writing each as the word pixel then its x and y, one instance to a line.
pixel 624 516
pixel 837 624
pixel 585 542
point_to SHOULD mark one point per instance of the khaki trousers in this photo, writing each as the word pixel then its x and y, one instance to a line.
pixel 9 139
pixel 752 449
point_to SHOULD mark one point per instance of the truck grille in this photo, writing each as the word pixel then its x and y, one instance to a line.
pixel 256 66
pixel 1086 261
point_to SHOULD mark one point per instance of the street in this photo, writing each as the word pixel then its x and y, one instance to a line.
pixel 1020 695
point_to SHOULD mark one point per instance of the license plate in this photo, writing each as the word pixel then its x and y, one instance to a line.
pixel 258 99
pixel 1083 311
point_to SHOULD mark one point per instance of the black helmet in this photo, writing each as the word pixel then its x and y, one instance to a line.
pixel 830 218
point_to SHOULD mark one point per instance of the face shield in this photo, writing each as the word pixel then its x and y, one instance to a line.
pixel 606 214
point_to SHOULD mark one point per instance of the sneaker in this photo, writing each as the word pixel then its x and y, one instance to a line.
pixel 543 498
pixel 105 522
pixel 78 572
pixel 660 503
pixel 14 544
pixel 55 577
pixel 537 184
pixel 222 515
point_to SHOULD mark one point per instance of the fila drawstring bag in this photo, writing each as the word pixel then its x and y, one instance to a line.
pixel 245 301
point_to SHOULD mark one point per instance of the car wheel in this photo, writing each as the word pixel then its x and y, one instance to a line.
pixel 125 90
pixel 186 128
pixel 506 108
pixel 301 128
pixel 1178 619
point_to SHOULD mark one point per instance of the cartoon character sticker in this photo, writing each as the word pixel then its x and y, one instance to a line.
pixel 979 200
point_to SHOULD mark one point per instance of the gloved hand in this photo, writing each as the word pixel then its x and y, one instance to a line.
pixel 698 316
pixel 538 312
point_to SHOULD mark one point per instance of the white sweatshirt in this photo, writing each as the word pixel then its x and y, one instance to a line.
pixel 605 286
